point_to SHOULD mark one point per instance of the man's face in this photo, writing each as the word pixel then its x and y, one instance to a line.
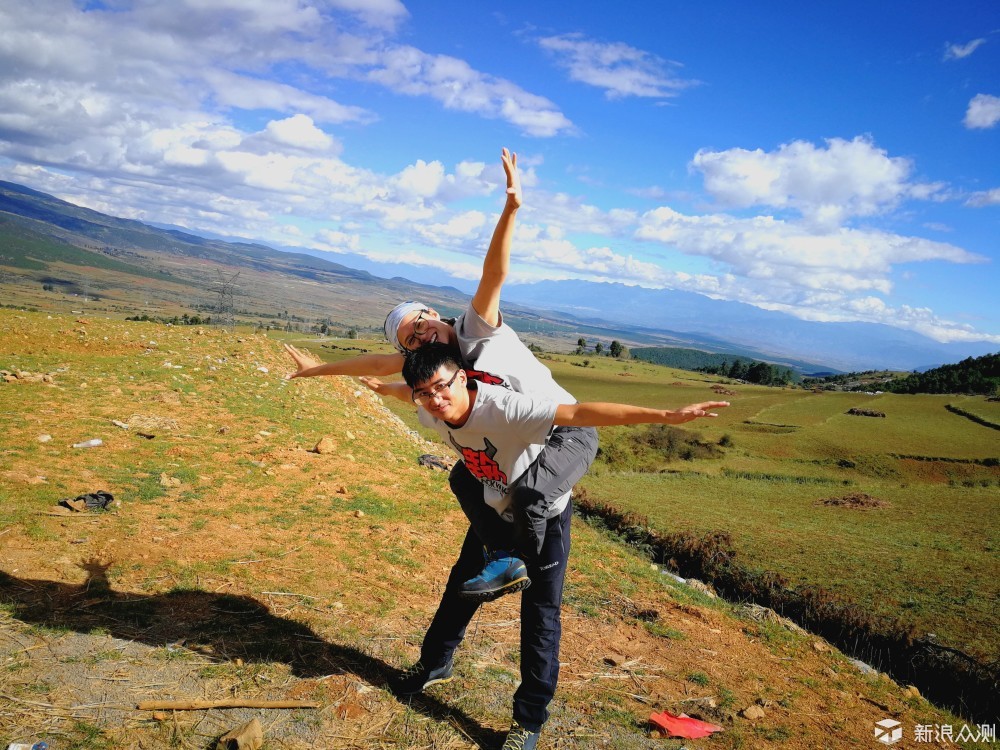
pixel 444 395
pixel 422 327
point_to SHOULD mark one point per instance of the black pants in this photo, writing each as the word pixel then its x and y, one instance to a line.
pixel 544 543
pixel 541 624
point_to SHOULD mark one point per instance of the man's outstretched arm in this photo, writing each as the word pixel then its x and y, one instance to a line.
pixel 601 414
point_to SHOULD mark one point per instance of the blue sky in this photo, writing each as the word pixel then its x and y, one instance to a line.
pixel 833 161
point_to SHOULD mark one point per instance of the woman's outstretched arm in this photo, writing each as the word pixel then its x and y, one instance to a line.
pixel 364 364
pixel 496 265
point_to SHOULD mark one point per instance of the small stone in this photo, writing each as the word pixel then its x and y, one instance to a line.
pixel 168 481
pixel 44 438
pixel 752 712
pixel 325 446
pixel 359 514
pixel 160 716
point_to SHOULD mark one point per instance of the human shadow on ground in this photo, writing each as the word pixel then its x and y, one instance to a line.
pixel 226 626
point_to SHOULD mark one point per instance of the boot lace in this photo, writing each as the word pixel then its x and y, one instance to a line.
pixel 413 671
pixel 516 738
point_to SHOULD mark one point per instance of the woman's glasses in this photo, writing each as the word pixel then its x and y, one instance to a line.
pixel 420 326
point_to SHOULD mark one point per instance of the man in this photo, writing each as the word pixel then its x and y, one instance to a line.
pixel 498 433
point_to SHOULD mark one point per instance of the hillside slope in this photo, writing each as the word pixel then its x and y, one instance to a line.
pixel 238 563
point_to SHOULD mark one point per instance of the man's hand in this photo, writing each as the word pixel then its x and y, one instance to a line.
pixel 303 360
pixel 695 411
pixel 509 159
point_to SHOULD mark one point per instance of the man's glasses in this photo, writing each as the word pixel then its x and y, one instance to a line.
pixel 420 326
pixel 422 398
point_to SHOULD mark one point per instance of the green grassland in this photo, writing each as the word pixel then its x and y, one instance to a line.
pixel 930 556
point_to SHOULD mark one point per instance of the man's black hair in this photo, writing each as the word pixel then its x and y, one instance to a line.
pixel 422 364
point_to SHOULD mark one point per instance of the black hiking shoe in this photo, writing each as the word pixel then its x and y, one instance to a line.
pixel 418 677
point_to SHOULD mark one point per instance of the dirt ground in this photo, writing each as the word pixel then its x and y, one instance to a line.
pixel 238 563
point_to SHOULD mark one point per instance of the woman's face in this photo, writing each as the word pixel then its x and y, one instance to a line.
pixel 422 327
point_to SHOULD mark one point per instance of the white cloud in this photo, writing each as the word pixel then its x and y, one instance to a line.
pixel 458 86
pixel 842 309
pixel 959 51
pixel 300 132
pixel 619 69
pixel 985 198
pixel 338 242
pixel 243 92
pixel 841 260
pixel 983 111
pixel 384 14
pixel 826 185
pixel 464 227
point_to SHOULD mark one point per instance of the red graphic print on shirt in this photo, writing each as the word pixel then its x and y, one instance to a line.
pixel 481 465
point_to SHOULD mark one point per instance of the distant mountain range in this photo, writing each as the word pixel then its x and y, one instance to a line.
pixel 46 240
pixel 851 346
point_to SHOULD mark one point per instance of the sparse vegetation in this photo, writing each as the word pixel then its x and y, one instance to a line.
pixel 257 576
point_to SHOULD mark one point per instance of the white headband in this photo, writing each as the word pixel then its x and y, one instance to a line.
pixel 395 317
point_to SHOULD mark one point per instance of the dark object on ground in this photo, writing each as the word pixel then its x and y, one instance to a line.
pixel 857 500
pixel 436 462
pixel 865 413
pixel 91 501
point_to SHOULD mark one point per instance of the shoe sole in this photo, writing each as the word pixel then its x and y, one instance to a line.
pixel 487 596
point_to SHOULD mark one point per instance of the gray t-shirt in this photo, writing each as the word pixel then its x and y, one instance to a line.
pixel 502 437
pixel 495 355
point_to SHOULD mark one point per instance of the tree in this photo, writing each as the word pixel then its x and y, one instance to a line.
pixel 618 350
pixel 352 333
pixel 581 343
pixel 598 348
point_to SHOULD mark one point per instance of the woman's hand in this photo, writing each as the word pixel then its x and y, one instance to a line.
pixel 303 360
pixel 509 159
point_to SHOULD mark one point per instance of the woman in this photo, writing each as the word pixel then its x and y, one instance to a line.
pixel 491 351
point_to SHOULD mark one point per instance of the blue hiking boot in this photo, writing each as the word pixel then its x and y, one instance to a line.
pixel 503 574
pixel 418 677
pixel 519 738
